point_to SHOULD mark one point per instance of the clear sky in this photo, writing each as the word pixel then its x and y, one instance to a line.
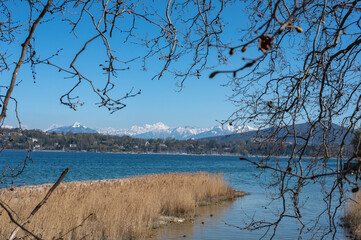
pixel 201 102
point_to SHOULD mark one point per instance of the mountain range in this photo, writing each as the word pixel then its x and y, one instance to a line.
pixel 157 130
pixel 217 133
pixel 334 134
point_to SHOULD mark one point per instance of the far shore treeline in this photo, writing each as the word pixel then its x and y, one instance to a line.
pixel 37 140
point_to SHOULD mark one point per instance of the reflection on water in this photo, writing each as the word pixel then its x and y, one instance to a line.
pixel 216 222
pixel 207 217
pixel 226 220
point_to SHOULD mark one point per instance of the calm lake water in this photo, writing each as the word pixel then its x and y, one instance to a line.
pixel 48 166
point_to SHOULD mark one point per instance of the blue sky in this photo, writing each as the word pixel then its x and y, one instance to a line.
pixel 201 102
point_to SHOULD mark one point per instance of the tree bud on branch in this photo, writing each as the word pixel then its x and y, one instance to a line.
pixel 231 51
pixel 213 74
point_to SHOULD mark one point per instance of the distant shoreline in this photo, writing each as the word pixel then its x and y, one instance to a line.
pixel 160 153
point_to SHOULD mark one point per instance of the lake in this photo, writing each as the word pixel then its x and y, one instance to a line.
pixel 226 217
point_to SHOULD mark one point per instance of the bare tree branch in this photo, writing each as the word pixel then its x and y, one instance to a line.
pixel 36 209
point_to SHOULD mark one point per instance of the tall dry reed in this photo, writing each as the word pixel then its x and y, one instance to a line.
pixel 112 209
pixel 352 218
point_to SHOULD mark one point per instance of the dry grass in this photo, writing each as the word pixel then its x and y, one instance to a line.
pixel 117 209
pixel 352 219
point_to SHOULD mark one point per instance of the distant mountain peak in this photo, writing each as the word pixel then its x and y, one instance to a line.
pixel 75 128
pixel 158 125
pixel 77 125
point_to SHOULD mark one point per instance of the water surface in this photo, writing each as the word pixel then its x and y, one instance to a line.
pixel 226 219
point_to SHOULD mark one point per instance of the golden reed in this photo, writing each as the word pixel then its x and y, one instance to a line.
pixel 352 218
pixel 111 209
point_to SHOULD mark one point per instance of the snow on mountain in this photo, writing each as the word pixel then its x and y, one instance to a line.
pixel 52 126
pixel 160 130
pixel 222 130
pixel 113 131
pixel 75 128
pixel 77 125
pixel 245 129
pixel 7 126
pixel 215 131
pixel 156 130
pixel 136 130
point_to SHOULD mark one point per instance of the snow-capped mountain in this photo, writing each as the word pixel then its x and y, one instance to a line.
pixel 134 130
pixel 75 128
pixel 160 130
pixel 52 126
pixel 7 126
pixel 157 130
pixel 221 131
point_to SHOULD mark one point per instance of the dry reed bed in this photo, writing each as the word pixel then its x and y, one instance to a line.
pixel 113 209
pixel 352 219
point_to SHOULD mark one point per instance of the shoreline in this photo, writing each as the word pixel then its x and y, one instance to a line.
pixel 160 153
